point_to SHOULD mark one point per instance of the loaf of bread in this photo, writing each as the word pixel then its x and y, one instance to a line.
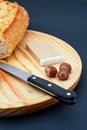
pixel 14 21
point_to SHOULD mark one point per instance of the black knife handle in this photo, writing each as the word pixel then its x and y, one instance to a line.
pixel 62 94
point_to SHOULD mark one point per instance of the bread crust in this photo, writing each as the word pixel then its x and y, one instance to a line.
pixel 13 34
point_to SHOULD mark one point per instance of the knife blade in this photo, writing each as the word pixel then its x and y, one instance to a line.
pixel 67 96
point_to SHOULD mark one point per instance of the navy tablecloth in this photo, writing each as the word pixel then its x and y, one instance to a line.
pixel 67 20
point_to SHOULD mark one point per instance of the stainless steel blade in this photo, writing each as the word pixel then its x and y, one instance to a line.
pixel 15 71
pixel 53 89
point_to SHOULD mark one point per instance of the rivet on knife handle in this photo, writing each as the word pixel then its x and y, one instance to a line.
pixel 53 89
pixel 60 93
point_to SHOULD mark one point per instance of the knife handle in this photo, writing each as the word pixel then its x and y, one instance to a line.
pixel 62 94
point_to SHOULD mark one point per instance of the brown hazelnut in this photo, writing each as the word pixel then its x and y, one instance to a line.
pixel 65 66
pixel 50 71
pixel 63 74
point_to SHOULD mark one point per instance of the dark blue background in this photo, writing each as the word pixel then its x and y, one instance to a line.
pixel 66 19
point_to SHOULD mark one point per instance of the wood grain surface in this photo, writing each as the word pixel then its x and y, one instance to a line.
pixel 17 97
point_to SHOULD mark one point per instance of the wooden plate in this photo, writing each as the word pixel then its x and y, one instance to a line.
pixel 17 97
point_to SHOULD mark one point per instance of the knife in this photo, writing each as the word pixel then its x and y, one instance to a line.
pixel 55 90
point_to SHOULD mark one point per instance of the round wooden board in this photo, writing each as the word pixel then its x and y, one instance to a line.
pixel 17 97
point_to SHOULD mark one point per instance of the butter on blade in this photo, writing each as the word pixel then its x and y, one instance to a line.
pixel 44 53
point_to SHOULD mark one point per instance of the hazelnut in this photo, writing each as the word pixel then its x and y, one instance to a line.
pixel 50 71
pixel 63 74
pixel 65 66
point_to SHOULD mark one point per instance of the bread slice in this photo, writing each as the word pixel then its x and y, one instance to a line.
pixel 14 21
